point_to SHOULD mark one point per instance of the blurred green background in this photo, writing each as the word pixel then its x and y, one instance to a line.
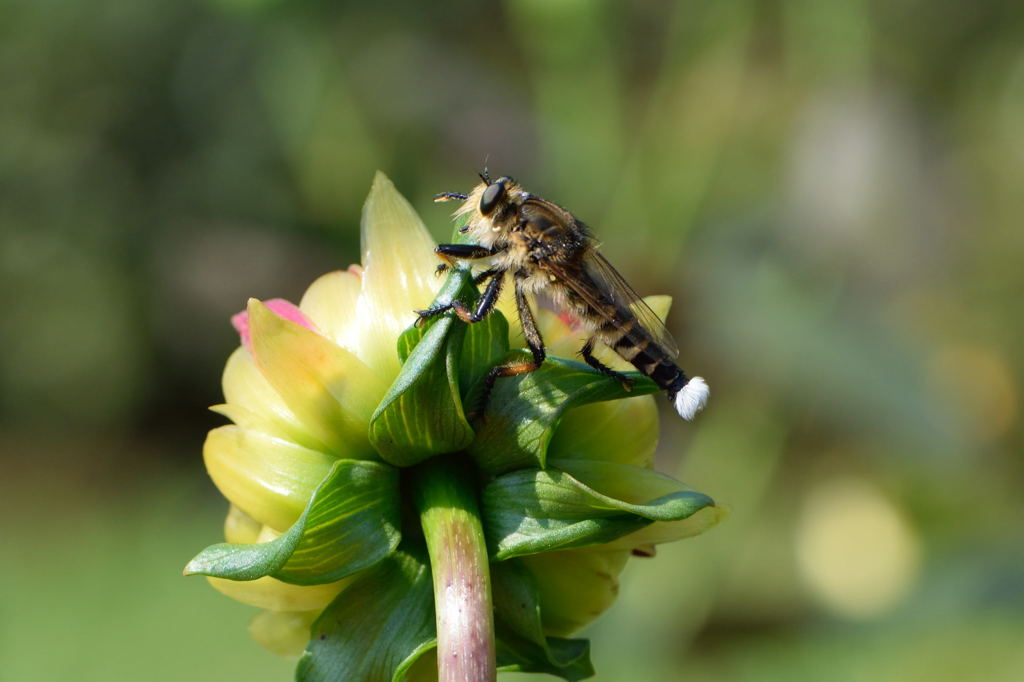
pixel 830 190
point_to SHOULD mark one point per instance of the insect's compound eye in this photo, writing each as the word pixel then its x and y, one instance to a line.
pixel 492 195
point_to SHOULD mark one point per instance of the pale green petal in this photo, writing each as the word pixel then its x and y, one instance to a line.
pixel 623 431
pixel 507 305
pixel 269 478
pixel 271 593
pixel 331 302
pixel 632 484
pixel 252 402
pixel 398 273
pixel 575 586
pixel 424 669
pixel 284 633
pixel 328 388
pixel 241 528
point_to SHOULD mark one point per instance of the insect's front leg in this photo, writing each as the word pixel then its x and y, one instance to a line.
pixel 533 340
pixel 449 253
pixel 484 305
pixel 448 196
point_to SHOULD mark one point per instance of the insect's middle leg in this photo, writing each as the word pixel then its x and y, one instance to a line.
pixel 484 305
pixel 533 341
pixel 588 356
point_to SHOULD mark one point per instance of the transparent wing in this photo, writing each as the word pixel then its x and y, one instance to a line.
pixel 605 281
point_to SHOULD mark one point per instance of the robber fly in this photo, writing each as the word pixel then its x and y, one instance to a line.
pixel 548 251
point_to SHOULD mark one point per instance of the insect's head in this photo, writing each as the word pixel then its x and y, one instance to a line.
pixel 493 195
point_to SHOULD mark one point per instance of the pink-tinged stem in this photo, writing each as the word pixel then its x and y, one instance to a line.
pixel 446 500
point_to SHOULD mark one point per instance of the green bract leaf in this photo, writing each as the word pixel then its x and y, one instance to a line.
pixel 422 414
pixel 524 410
pixel 565 658
pixel 376 628
pixel 521 644
pixel 485 346
pixel 634 484
pixel 541 510
pixel 350 523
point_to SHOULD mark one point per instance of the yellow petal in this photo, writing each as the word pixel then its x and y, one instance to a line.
pixel 398 273
pixel 239 527
pixel 268 478
pixel 633 484
pixel 623 431
pixel 271 593
pixel 507 305
pixel 330 302
pixel 253 402
pixel 659 304
pixel 284 633
pixel 575 586
pixel 328 388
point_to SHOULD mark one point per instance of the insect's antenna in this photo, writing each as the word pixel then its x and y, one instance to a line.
pixel 485 176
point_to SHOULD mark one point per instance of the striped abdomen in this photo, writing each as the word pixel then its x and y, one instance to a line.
pixel 635 345
pixel 617 326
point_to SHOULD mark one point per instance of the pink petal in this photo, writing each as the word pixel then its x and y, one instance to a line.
pixel 286 310
pixel 569 321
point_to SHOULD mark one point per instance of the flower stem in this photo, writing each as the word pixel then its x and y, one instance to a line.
pixel 447 506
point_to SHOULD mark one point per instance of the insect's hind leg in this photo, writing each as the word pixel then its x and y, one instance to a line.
pixel 533 341
pixel 588 356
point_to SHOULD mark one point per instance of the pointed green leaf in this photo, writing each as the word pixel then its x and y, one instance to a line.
pixel 485 346
pixel 351 522
pixel 523 411
pixel 565 658
pixel 376 628
pixel 541 510
pixel 422 414
pixel 485 343
pixel 634 484
pixel 521 644
pixel 516 606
